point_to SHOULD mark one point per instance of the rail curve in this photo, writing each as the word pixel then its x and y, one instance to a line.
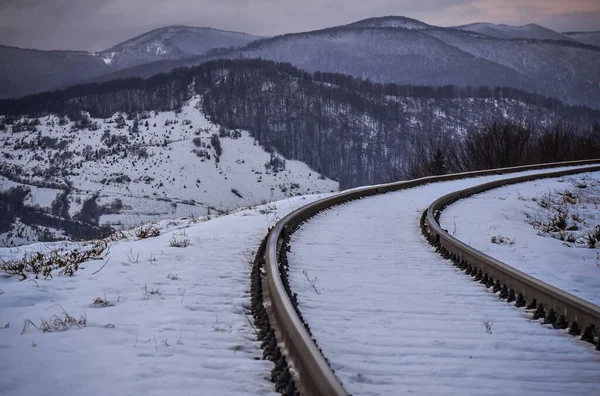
pixel 300 367
pixel 557 307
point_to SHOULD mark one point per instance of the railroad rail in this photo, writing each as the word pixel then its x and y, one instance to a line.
pixel 557 307
pixel 300 367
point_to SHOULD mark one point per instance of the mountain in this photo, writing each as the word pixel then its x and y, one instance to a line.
pixel 25 71
pixel 591 38
pixel 530 31
pixel 172 42
pixel 439 56
pixel 424 55
pixel 390 21
pixel 387 49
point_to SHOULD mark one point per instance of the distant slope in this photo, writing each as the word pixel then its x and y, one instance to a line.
pixel 398 55
pixel 383 50
pixel 591 38
pixel 173 42
pixel 438 56
pixel 390 21
pixel 388 49
pixel 24 71
pixel 568 71
pixel 530 31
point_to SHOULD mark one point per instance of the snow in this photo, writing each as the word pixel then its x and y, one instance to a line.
pixel 530 31
pixel 171 181
pixel 393 317
pixel 508 212
pixel 175 322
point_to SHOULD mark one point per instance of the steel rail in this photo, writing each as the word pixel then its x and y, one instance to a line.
pixel 556 306
pixel 312 373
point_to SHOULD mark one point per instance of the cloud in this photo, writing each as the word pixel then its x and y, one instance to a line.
pixel 95 24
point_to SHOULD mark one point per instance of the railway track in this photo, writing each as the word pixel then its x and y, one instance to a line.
pixel 301 368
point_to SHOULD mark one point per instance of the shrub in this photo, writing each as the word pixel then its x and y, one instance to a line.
pixel 179 242
pixel 500 240
pixel 593 237
pixel 147 232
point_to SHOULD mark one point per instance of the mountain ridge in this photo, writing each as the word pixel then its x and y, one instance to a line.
pixel 429 55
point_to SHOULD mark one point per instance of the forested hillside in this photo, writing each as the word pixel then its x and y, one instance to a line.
pixel 351 130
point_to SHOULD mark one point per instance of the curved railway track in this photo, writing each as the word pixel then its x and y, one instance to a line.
pixel 301 368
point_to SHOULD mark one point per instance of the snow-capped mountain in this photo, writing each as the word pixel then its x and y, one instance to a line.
pixel 25 71
pixel 157 165
pixel 530 31
pixel 591 38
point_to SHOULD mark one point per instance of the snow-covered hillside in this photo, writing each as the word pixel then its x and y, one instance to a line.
pixel 156 165
pixel 530 31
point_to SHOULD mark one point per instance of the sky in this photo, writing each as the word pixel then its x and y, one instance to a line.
pixel 95 25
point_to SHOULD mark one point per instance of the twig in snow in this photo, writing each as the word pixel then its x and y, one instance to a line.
pixel 177 343
pixel 312 282
pixel 133 259
pixel 155 344
pixel 250 322
pixel 106 262
pixel 182 297
pixel 488 326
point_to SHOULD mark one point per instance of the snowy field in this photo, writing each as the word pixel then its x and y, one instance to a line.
pixel 541 228
pixel 393 317
pixel 156 320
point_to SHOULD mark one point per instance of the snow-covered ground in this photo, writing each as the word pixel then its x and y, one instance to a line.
pixel 521 226
pixel 393 317
pixel 160 320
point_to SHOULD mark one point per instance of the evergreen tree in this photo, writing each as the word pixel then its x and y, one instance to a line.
pixel 437 166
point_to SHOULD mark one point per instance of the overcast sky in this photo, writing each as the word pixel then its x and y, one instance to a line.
pixel 95 25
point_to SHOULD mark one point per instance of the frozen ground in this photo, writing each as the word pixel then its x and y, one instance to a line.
pixel 521 226
pixel 170 320
pixel 393 317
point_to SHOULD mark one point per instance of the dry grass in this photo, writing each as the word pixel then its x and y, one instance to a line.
pixel 60 322
pixel 38 263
